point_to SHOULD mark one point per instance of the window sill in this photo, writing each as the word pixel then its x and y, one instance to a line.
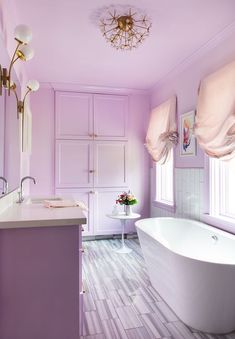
pixel 223 223
pixel 169 208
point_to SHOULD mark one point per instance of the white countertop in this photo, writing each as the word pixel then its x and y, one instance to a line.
pixel 36 215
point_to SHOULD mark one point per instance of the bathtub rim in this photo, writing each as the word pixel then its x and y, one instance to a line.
pixel 205 226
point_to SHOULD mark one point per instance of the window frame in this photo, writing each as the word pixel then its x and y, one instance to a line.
pixel 214 219
pixel 164 204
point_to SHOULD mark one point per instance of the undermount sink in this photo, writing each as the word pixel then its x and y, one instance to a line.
pixel 40 200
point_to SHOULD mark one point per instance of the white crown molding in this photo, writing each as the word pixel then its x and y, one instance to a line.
pixel 59 86
pixel 197 54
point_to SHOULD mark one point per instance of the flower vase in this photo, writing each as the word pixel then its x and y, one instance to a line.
pixel 128 209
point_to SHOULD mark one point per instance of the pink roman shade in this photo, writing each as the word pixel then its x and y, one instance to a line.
pixel 215 118
pixel 162 131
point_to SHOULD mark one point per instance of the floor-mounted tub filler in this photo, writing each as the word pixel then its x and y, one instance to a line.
pixel 192 266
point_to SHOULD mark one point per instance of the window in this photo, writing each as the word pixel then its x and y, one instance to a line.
pixel 164 181
pixel 222 188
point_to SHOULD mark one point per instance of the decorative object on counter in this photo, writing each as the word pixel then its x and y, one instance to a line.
pixel 127 199
pixel 215 119
pixel 64 203
pixel 187 138
pixel 162 132
pixel 124 28
pixel 23 51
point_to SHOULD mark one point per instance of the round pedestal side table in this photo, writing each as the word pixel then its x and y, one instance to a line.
pixel 123 218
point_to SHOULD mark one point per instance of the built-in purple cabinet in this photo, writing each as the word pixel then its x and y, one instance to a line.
pixel 86 116
pixel 74 115
pixel 81 163
pixel 110 116
pixel 110 168
pixel 104 200
pixel 91 154
pixel 74 163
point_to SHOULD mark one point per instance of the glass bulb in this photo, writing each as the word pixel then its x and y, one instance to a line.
pixel 33 85
pixel 23 33
pixel 25 52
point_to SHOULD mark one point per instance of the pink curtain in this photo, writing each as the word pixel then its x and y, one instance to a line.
pixel 215 118
pixel 162 131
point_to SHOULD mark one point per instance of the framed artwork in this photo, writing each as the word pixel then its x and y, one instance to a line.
pixel 187 138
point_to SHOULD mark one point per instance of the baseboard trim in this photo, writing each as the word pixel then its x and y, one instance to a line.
pixel 109 236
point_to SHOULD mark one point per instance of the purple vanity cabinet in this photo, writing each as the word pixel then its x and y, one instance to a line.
pixel 40 283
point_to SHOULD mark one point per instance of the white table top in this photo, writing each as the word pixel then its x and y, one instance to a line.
pixel 122 215
pixel 36 215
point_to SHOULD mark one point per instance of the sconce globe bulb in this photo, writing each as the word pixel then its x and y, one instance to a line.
pixel 33 85
pixel 23 34
pixel 25 52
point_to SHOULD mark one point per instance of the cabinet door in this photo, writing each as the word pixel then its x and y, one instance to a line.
pixel 74 115
pixel 110 164
pixel 74 163
pixel 87 197
pixel 110 116
pixel 104 201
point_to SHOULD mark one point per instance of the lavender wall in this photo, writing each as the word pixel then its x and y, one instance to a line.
pixel 42 158
pixel 184 82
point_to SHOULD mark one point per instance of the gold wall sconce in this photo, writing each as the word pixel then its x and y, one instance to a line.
pixel 32 85
pixel 23 51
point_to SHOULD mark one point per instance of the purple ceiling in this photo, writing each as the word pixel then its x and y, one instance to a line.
pixel 69 47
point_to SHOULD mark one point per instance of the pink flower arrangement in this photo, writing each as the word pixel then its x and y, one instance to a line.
pixel 126 199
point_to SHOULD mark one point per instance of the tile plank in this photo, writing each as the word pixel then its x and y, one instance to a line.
pixel 120 301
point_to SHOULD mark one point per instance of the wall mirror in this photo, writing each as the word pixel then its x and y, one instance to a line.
pixel 9 132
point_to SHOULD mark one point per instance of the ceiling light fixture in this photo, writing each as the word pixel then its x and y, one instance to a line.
pixel 23 51
pixel 125 30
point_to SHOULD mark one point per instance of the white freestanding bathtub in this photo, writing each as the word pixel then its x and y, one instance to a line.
pixel 192 266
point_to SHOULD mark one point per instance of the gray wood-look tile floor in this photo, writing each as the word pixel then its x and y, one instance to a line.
pixel 120 302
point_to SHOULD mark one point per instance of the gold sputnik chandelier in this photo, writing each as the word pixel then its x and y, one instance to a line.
pixel 125 30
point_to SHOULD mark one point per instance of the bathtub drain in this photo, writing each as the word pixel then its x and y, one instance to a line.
pixel 214 237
